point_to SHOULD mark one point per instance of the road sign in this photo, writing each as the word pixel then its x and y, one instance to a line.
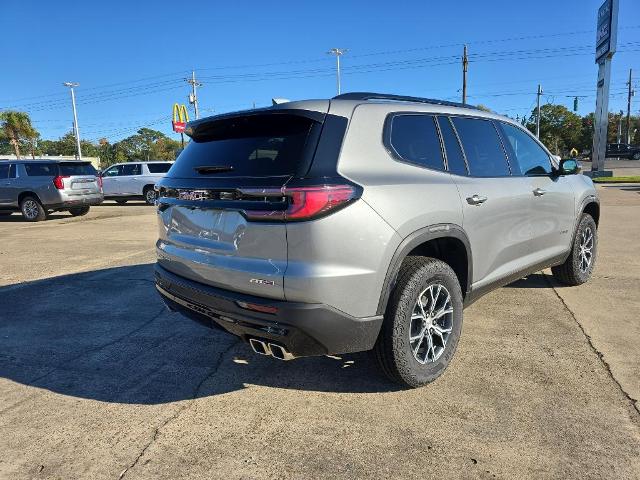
pixel 180 118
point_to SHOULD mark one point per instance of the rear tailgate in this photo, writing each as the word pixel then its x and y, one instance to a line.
pixel 204 199
pixel 79 178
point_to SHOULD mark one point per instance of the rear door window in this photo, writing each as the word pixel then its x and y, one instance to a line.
pixel 77 168
pixel 482 147
pixel 251 146
pixel 531 158
pixel 158 167
pixel 41 169
pixel 4 171
pixel 455 158
pixel 130 169
pixel 12 171
pixel 414 139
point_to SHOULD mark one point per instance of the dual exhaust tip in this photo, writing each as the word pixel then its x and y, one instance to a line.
pixel 270 349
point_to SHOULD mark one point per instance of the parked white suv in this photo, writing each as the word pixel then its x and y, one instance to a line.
pixel 133 180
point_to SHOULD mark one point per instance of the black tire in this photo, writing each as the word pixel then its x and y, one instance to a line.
pixel 149 195
pixel 79 211
pixel 573 272
pixel 635 156
pixel 121 202
pixel 394 349
pixel 32 210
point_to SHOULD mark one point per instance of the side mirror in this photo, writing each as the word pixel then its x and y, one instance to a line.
pixel 569 166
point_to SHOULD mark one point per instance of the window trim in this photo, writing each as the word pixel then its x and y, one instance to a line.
pixel 535 140
pixel 386 140
pixel 455 134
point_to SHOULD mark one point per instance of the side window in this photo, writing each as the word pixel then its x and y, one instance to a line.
pixel 41 169
pixel 455 159
pixel 482 147
pixel 158 167
pixel 414 138
pixel 4 171
pixel 112 171
pixel 12 171
pixel 130 169
pixel 531 158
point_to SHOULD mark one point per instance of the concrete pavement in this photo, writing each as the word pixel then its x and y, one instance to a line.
pixel 97 380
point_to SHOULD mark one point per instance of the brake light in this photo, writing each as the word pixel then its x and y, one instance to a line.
pixel 305 203
pixel 58 181
pixel 99 180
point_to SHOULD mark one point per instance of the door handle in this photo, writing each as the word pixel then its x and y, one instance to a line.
pixel 476 200
pixel 538 192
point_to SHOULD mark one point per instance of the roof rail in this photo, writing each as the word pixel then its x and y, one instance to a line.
pixel 400 98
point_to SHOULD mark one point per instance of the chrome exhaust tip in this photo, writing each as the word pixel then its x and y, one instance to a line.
pixel 279 352
pixel 259 346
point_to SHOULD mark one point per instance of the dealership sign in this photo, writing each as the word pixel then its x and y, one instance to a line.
pixel 180 118
pixel 606 30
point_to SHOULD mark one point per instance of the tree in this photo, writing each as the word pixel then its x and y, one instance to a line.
pixel 17 128
pixel 560 129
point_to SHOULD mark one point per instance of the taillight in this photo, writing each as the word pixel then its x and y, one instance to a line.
pixel 99 180
pixel 58 181
pixel 304 203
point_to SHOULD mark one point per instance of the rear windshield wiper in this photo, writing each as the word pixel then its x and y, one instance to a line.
pixel 205 170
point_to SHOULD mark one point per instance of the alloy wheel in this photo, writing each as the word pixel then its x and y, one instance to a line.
pixel 30 209
pixel 431 323
pixel 586 249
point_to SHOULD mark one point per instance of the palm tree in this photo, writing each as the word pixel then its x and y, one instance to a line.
pixel 16 126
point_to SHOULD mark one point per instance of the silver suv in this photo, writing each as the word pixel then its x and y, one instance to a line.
pixel 364 222
pixel 37 187
pixel 133 180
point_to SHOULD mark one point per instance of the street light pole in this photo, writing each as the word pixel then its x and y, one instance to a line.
pixel 538 111
pixel 338 52
pixel 76 130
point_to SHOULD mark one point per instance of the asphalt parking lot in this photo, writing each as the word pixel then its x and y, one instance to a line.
pixel 98 380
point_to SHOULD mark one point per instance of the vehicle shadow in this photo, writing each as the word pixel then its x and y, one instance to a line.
pixel 17 217
pixel 535 280
pixel 106 335
pixel 129 203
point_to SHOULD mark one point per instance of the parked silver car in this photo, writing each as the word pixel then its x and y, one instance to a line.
pixel 133 181
pixel 363 222
pixel 38 187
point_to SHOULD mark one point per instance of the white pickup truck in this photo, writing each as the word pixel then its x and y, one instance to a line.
pixel 133 180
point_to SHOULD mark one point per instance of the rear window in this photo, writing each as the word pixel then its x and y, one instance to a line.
pixel 415 139
pixel 41 169
pixel 77 168
pixel 252 146
pixel 158 167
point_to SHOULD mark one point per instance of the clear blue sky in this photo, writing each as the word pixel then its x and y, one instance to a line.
pixel 131 57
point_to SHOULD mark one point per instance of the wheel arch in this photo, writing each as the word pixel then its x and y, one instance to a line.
pixel 592 208
pixel 28 193
pixel 447 242
pixel 147 187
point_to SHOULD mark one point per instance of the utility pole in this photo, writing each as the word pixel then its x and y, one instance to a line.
pixel 629 95
pixel 193 96
pixel 76 130
pixel 338 52
pixel 538 111
pixel 465 67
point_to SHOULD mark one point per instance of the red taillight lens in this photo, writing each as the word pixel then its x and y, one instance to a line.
pixel 58 181
pixel 306 203
pixel 99 180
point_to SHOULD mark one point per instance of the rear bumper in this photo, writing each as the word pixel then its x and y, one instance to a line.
pixel 68 201
pixel 305 329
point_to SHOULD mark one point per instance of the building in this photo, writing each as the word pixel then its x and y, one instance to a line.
pixel 95 161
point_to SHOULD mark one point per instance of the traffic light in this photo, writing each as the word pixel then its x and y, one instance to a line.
pixel 575 104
